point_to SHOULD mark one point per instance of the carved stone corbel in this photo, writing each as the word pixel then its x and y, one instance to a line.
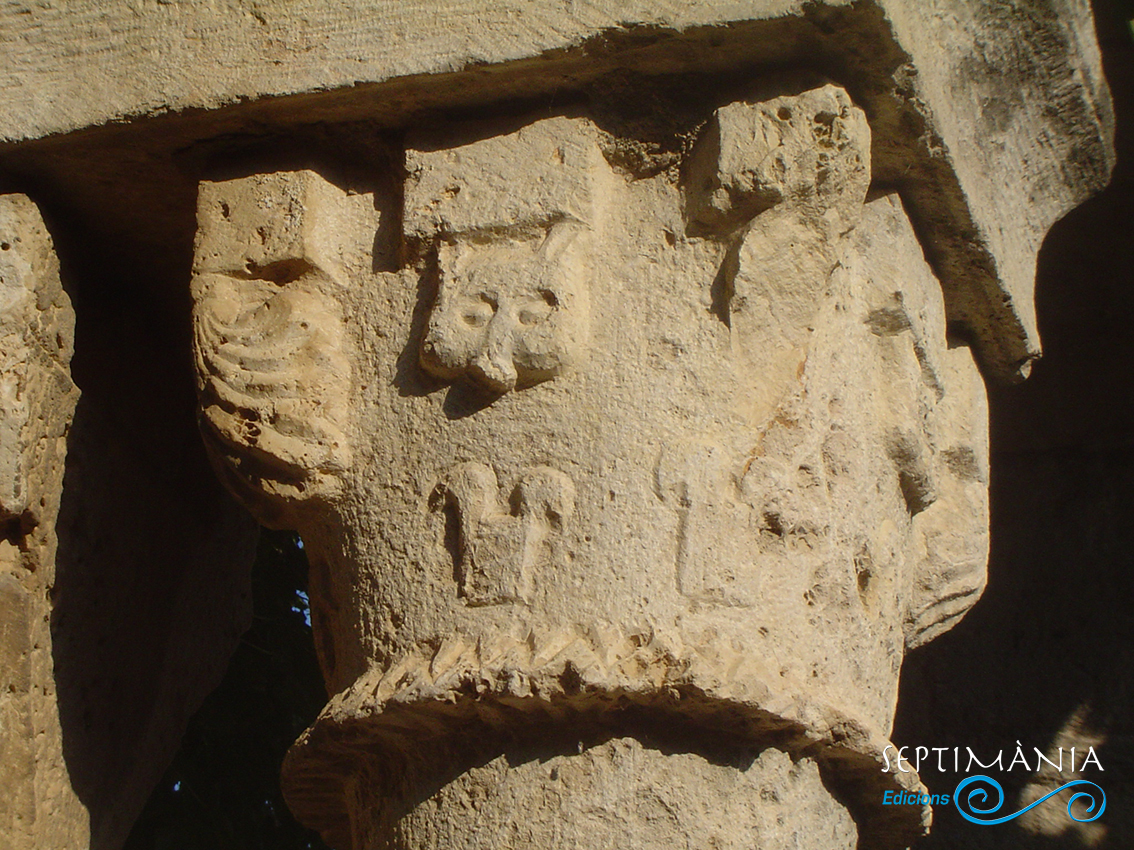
pixel 512 222
pixel 274 372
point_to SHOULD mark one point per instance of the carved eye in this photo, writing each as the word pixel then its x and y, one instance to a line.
pixel 477 314
pixel 538 309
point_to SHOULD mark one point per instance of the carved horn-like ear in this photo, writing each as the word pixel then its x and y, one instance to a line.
pixel 472 488
pixel 560 237
pixel 547 492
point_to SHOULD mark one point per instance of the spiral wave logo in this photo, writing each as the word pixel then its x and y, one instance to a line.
pixel 977 798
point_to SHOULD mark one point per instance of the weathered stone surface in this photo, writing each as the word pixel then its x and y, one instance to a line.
pixel 573 418
pixel 761 478
pixel 972 95
pixel 803 150
pixel 38 807
pixel 544 174
pixel 511 310
pixel 622 794
pixel 269 334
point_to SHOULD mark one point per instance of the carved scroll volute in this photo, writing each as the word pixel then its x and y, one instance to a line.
pixel 273 375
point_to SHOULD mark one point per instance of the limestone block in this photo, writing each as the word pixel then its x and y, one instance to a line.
pixel 813 149
pixel 38 808
pixel 36 344
pixel 542 174
pixel 996 118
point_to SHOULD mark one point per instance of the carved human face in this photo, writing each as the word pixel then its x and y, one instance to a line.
pixel 508 313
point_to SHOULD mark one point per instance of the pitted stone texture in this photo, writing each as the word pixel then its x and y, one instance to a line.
pixel 768 447
pixel 996 116
pixel 810 149
pixel 38 808
pixel 502 544
pixel 621 794
pixel 542 174
pixel 272 367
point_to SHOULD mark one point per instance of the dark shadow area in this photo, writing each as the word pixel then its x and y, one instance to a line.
pixel 1046 658
pixel 465 398
pixel 151 573
pixel 222 790
pixel 721 290
pixel 410 379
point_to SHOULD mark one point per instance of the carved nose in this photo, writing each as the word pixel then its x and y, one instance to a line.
pixel 493 366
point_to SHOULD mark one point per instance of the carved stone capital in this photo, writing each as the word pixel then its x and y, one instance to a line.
pixel 603 454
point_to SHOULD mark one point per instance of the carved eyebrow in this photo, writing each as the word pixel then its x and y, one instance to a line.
pixel 485 296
